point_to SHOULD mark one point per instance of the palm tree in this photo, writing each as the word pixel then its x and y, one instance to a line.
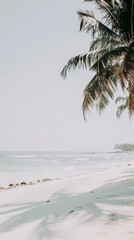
pixel 121 107
pixel 111 53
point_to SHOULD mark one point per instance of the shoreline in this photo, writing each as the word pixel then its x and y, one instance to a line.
pixel 25 183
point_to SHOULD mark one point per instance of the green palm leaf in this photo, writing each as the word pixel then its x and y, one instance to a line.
pixel 88 22
pixel 118 99
pixel 122 107
pixel 111 54
pixel 98 91
pixel 120 110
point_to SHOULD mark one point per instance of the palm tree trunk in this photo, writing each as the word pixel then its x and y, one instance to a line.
pixel 132 27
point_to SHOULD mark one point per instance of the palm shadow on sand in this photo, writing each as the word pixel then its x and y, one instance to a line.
pixel 61 205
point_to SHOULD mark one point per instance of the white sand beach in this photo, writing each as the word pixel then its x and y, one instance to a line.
pixel 61 177
pixel 97 206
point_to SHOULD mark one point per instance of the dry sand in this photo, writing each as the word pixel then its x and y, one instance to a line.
pixel 97 207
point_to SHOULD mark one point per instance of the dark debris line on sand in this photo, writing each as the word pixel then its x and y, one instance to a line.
pixel 11 185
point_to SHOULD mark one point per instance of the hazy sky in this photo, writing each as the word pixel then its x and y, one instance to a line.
pixel 38 109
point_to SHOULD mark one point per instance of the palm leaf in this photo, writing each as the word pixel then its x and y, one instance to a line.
pixel 98 91
pixel 120 110
pixel 84 60
pixel 105 42
pixel 108 57
pixel 111 54
pixel 122 107
pixel 118 99
pixel 90 23
pixel 79 61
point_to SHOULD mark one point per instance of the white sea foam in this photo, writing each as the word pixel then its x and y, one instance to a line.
pixel 31 166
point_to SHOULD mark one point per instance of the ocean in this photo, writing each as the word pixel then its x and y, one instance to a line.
pixel 19 166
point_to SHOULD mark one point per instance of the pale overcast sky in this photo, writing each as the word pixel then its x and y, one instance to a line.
pixel 38 109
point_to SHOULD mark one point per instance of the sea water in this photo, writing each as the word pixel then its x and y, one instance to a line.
pixel 16 167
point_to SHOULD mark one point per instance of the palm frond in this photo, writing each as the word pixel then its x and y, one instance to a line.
pixel 112 11
pixel 108 57
pixel 95 60
pixel 98 91
pixel 123 106
pixel 118 15
pixel 128 66
pixel 79 61
pixel 120 110
pixel 100 106
pixel 111 54
pixel 118 99
pixel 84 60
pixel 108 3
pixel 105 43
pixel 90 23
